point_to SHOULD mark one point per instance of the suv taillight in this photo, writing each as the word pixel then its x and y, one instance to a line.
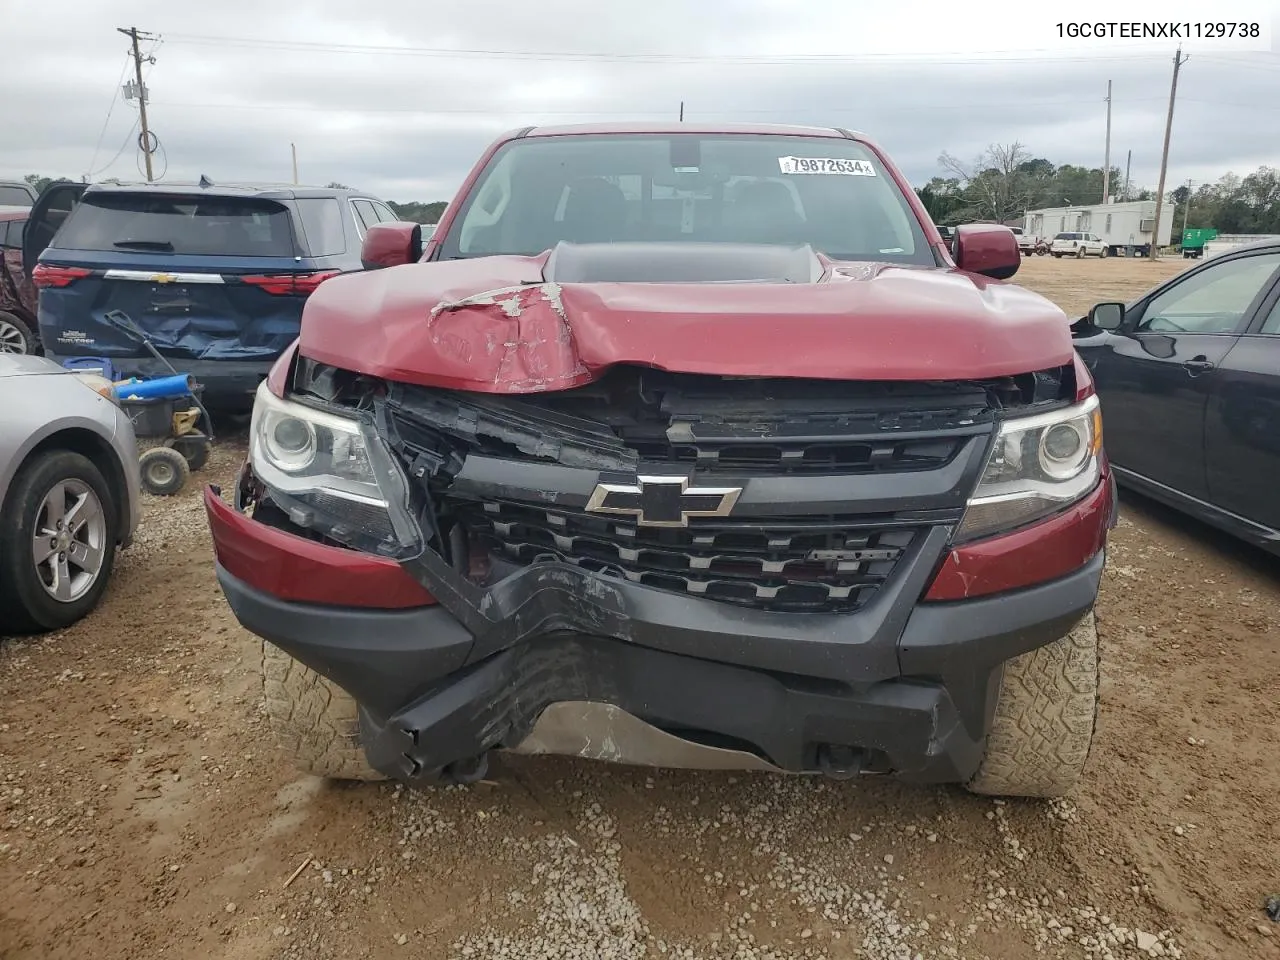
pixel 45 275
pixel 287 284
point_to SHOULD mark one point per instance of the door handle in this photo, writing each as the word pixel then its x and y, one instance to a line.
pixel 1198 365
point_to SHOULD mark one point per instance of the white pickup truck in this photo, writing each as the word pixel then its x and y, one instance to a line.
pixel 1027 242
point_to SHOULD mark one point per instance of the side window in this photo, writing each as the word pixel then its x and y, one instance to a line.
pixel 1214 300
pixel 322 224
pixel 364 210
pixel 384 213
pixel 1271 325
pixel 351 209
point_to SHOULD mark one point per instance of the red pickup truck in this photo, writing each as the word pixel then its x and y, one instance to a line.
pixel 678 445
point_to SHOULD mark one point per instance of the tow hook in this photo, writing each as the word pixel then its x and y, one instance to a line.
pixel 470 770
pixel 840 762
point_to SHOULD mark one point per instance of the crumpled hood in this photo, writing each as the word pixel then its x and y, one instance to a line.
pixel 497 325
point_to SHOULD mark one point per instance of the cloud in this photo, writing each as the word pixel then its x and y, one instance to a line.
pixel 407 124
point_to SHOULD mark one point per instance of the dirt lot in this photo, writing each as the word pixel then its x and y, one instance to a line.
pixel 144 812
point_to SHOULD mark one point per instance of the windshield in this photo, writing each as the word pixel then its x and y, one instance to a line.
pixel 160 223
pixel 830 193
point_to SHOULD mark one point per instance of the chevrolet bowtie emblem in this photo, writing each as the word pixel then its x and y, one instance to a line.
pixel 662 501
pixel 163 278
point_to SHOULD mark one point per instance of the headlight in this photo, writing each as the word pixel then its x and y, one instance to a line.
pixel 1038 466
pixel 332 474
pixel 98 384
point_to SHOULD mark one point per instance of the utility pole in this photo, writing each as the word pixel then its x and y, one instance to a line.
pixel 144 138
pixel 1186 209
pixel 1106 163
pixel 1127 164
pixel 1178 61
pixel 294 148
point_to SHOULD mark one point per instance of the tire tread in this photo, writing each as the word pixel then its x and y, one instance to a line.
pixel 313 719
pixel 1045 717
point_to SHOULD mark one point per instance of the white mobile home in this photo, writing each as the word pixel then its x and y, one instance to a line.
pixel 1120 225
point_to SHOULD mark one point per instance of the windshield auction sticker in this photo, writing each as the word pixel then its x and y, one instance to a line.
pixel 848 168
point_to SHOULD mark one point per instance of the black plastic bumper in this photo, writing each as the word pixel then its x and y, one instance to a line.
pixel 917 694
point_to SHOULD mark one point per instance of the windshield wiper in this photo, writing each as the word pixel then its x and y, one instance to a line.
pixel 145 244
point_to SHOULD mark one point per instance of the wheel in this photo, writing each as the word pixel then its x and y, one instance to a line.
pixel 164 471
pixel 313 719
pixel 58 536
pixel 195 450
pixel 15 335
pixel 1046 710
pixel 1080 254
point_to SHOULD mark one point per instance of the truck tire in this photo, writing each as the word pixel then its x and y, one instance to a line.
pixel 1046 711
pixel 313 719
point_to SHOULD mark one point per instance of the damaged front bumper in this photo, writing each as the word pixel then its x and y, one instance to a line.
pixel 555 658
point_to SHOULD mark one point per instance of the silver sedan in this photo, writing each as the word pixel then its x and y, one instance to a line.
pixel 68 493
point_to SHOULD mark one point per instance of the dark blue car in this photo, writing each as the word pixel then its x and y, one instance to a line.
pixel 214 276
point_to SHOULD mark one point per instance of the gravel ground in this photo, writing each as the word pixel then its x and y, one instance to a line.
pixel 144 811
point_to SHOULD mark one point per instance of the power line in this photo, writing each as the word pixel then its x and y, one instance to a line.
pixel 954 57
pixel 640 111
pixel 115 96
pixel 1243 62
pixel 127 138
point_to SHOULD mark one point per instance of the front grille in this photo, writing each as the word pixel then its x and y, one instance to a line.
pixel 832 564
pixel 715 430
pixel 767 457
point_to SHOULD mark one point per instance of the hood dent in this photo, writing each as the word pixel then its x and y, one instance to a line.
pixel 497 325
pixel 522 331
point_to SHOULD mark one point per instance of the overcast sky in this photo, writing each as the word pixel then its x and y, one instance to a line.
pixel 920 77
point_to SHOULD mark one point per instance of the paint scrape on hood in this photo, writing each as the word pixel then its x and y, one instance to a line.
pixel 523 327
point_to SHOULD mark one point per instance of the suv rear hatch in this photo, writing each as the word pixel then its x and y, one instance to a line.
pixel 204 276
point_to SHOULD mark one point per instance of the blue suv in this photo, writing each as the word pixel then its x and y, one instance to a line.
pixel 215 276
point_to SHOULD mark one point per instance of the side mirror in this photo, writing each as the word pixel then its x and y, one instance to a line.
pixel 391 244
pixel 1107 316
pixel 988 249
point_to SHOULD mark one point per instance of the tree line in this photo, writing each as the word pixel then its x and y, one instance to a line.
pixel 1006 181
